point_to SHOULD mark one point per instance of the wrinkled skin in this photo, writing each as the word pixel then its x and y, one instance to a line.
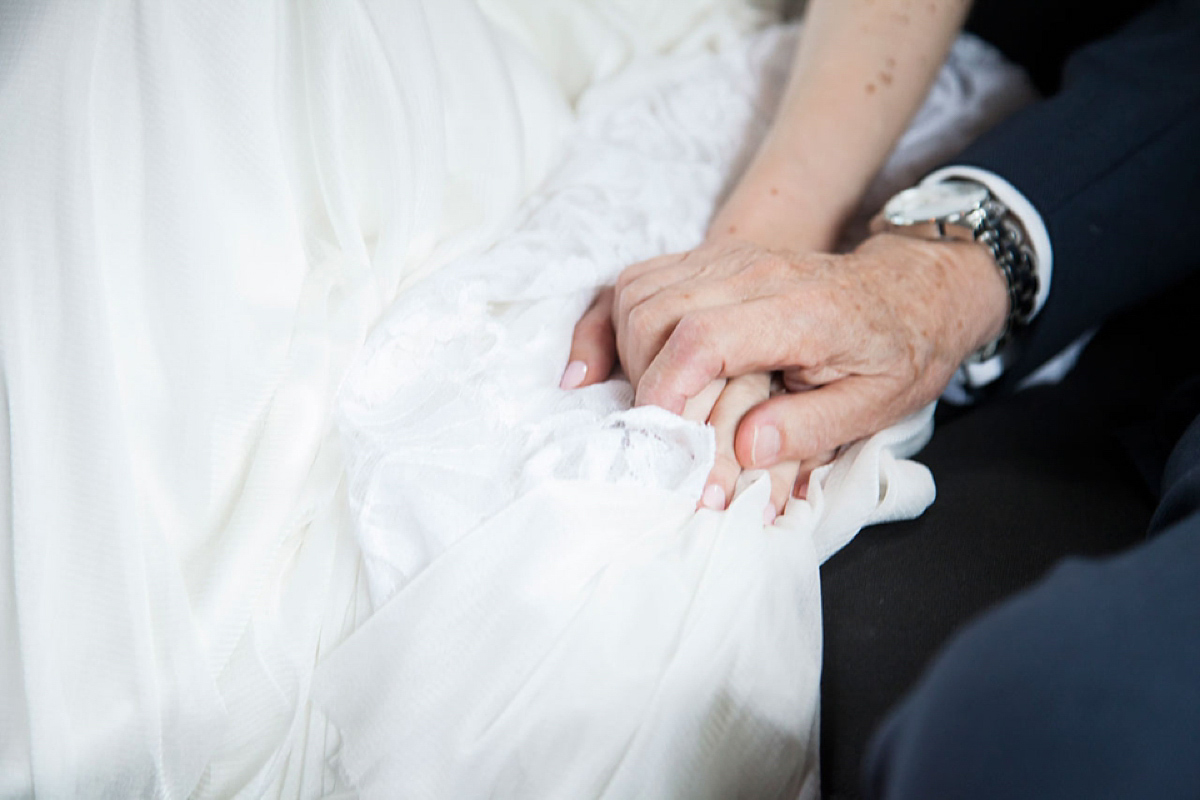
pixel 860 340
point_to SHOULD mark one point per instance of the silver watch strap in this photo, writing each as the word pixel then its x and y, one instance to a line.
pixel 996 228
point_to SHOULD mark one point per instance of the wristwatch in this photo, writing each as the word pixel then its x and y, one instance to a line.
pixel 966 211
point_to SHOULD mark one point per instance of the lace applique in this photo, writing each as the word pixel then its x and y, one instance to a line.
pixel 453 410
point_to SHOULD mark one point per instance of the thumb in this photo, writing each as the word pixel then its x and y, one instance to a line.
pixel 593 345
pixel 803 425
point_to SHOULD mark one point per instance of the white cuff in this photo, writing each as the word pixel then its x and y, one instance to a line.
pixel 983 373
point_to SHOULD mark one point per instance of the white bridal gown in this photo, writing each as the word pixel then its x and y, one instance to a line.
pixel 220 576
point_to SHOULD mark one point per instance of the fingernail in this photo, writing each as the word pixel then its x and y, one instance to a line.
pixel 766 445
pixel 713 497
pixel 573 375
pixel 769 515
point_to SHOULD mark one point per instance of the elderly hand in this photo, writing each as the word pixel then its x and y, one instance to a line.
pixel 862 339
pixel 721 404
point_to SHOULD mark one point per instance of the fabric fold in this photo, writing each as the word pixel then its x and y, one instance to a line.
pixel 554 616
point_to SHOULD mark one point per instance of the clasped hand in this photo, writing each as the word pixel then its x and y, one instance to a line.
pixel 859 341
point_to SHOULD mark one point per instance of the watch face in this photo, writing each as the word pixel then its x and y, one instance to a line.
pixel 934 202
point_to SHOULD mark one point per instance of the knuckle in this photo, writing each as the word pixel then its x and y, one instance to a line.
pixel 822 459
pixel 798 444
pixel 692 333
pixel 643 323
pixel 626 287
pixel 622 301
pixel 772 265
pixel 801 441
pixel 628 276
pixel 735 401
pixel 726 467
pixel 596 321
pixel 748 390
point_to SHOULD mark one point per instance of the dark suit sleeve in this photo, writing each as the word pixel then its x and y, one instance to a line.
pixel 1112 164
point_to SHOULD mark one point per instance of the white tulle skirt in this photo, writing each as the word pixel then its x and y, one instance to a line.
pixel 454 580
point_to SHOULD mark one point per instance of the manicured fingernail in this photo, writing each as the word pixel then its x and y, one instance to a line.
pixel 573 375
pixel 769 515
pixel 713 497
pixel 766 445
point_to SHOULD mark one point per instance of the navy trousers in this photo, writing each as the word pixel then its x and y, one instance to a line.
pixel 1086 685
pixel 1037 632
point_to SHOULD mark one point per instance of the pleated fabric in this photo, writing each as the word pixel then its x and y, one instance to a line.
pixel 554 616
pixel 204 210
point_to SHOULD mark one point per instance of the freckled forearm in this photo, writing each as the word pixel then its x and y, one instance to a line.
pixel 861 71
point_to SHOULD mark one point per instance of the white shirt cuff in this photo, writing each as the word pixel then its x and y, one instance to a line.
pixel 980 374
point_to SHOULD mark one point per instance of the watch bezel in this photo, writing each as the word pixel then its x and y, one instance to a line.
pixel 947 203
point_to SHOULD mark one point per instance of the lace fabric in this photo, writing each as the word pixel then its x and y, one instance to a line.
pixel 205 208
pixel 554 617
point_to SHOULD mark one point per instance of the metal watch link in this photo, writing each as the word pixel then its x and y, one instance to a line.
pixel 965 210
